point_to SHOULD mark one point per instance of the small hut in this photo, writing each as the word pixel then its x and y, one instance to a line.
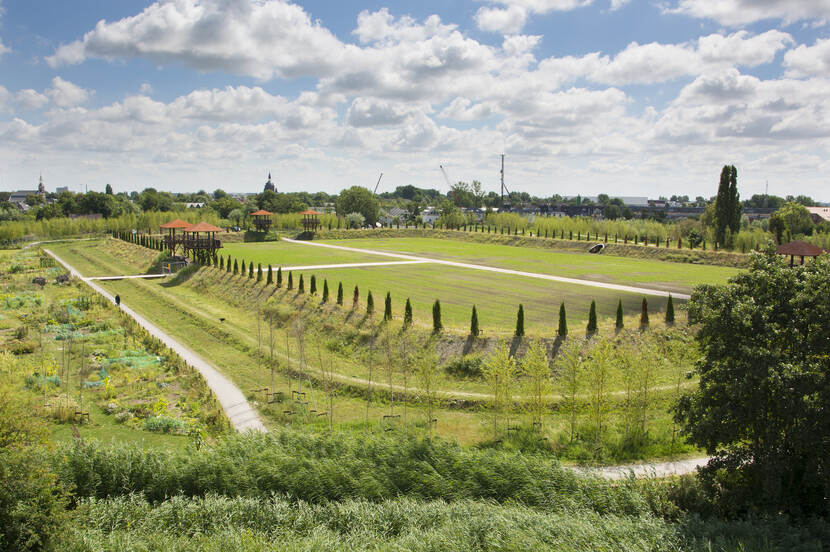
pixel 262 220
pixel 799 248
pixel 195 243
pixel 311 221
pixel 171 241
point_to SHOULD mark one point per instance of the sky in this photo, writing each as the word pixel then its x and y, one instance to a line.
pixel 623 97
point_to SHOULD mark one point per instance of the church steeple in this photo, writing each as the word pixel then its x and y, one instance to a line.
pixel 270 185
pixel 41 189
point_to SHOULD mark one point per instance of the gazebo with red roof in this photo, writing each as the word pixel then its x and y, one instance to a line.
pixel 195 244
pixel 171 241
pixel 799 248
pixel 310 220
pixel 262 220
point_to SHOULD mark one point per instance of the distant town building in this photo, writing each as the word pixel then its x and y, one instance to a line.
pixel 61 189
pixel 195 205
pixel 819 214
pixel 394 215
pixel 270 185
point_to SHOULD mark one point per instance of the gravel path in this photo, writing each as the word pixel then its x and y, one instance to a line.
pixel 242 416
pixel 591 283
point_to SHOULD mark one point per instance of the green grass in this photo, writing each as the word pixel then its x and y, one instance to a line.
pixel 281 253
pixel 677 277
pixel 121 258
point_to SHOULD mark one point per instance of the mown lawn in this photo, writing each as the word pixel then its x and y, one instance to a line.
pixel 283 253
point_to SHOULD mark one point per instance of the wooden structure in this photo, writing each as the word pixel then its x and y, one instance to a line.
pixel 311 221
pixel 262 220
pixel 799 249
pixel 171 241
pixel 200 239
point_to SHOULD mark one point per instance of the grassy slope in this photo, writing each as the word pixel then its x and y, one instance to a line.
pixel 121 258
pixel 287 254
pixel 603 268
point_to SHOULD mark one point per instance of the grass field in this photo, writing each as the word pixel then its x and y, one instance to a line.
pixel 677 277
pixel 281 253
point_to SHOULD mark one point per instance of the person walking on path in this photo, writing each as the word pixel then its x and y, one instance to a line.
pixel 117 300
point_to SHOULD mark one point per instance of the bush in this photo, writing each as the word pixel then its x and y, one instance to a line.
pixel 164 424
pixel 466 367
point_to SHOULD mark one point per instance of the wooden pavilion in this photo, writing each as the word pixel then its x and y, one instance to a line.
pixel 311 221
pixel 171 241
pixel 262 220
pixel 799 248
pixel 195 244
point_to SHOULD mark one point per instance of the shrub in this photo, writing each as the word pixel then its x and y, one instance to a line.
pixel 466 367
pixel 164 424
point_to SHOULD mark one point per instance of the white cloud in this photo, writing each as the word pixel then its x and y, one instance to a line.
pixel 809 60
pixel 146 88
pixel 617 4
pixel 5 99
pixel 462 109
pixel 509 20
pixel 370 112
pixel 742 12
pixel 30 99
pixel 3 49
pixel 66 94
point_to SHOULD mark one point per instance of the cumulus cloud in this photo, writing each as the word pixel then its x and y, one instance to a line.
pixel 29 99
pixel 369 112
pixel 3 49
pixel 809 60
pixel 66 94
pixel 509 20
pixel 742 12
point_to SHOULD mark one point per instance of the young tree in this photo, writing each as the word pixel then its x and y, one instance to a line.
pixel 644 314
pixel 313 285
pixel 498 374
pixel 670 312
pixel 259 272
pixel 270 279
pixel 536 370
pixel 562 331
pixel 355 297
pixel 387 308
pixel 279 276
pixel 436 317
pixel 727 205
pixel 429 376
pixel 251 270
pixel 290 280
pixel 325 291
pixel 407 314
pixel 340 293
pixel 242 270
pixel 520 321
pixel 474 329
pixel 370 304
pixel 592 319
pixel 619 323
pixel 301 285
pixel 598 372
pixel 221 262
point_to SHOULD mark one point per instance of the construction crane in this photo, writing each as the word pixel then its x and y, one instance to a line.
pixel 378 184
pixel 446 177
pixel 503 186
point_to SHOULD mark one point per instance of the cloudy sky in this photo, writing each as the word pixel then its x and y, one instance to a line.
pixel 628 97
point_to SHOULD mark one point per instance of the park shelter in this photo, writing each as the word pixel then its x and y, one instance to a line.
pixel 262 220
pixel 200 238
pixel 311 220
pixel 799 248
pixel 171 241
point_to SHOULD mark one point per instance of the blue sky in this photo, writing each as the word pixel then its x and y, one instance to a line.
pixel 583 96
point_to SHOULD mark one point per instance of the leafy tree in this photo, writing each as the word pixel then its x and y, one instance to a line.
pixel 569 369
pixel 592 319
pixel 436 317
pixel 761 404
pixel 370 304
pixel 795 218
pixel 499 372
pixel 670 311
pixel 598 379
pixel 520 321
pixel 407 314
pixel 536 370
pixel 474 329
pixel 358 199
pixel 644 314
pixel 226 206
pixel 325 291
pixel 340 293
pixel 619 323
pixel 50 211
pixel 562 331
pixel 727 205
pixel 108 189
pixel 429 377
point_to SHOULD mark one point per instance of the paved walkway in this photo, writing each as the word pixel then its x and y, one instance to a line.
pixel 88 278
pixel 577 281
pixel 242 416
pixel 655 469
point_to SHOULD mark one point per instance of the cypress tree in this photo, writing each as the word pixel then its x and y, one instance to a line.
pixel 313 287
pixel 520 321
pixel 270 278
pixel 644 314
pixel 734 201
pixel 563 322
pixel 221 262
pixel 387 308
pixel 670 311
pixel 340 293
pixel 259 272
pixel 301 285
pixel 619 324
pixel 370 304
pixel 355 297
pixel 235 267
pixel 279 276
pixel 592 319
pixel 290 280
pixel 436 317
pixel 228 265
pixel 474 329
pixel 407 314
pixel 325 291
pixel 251 270
pixel 242 268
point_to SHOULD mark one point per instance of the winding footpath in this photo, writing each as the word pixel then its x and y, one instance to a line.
pixel 241 414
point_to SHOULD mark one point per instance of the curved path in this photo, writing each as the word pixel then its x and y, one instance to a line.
pixel 240 413
pixel 591 283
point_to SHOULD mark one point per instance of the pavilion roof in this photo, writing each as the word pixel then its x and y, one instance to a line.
pixel 310 212
pixel 202 227
pixel 262 213
pixel 178 223
pixel 799 248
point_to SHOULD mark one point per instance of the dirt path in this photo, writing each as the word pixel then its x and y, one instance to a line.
pixel 242 416
pixel 577 281
pixel 651 469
